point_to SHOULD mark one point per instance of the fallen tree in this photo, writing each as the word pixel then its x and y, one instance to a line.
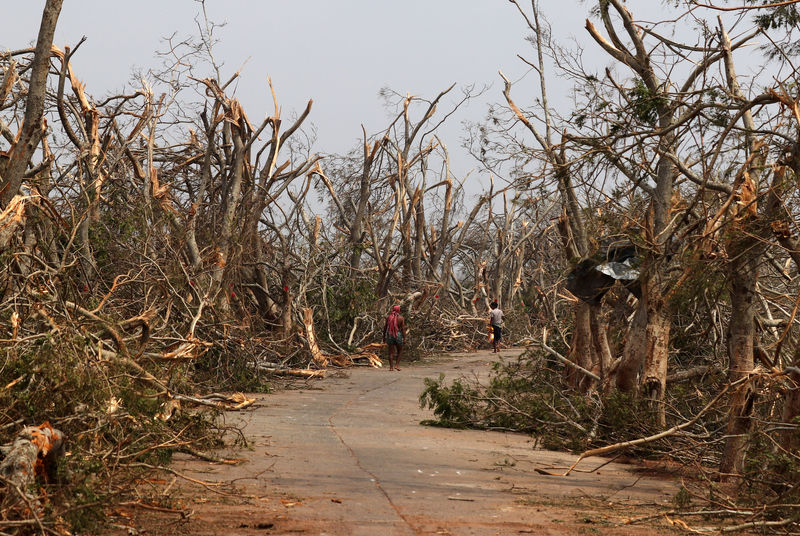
pixel 34 452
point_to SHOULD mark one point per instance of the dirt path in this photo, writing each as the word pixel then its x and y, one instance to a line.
pixel 346 456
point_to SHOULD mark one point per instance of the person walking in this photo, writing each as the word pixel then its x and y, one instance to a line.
pixel 496 321
pixel 394 332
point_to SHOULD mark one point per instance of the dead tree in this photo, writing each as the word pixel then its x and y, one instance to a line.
pixel 386 215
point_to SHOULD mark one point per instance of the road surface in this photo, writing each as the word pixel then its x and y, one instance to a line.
pixel 347 456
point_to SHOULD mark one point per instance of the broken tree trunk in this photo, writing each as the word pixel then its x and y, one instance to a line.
pixel 582 351
pixel 634 352
pixel 741 334
pixel 657 336
pixel 12 218
pixel 34 451
pixel 308 323
pixel 302 373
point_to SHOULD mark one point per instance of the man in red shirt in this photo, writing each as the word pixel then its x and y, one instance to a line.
pixel 394 332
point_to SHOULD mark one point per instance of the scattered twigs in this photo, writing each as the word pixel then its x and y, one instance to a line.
pixel 210 486
pixel 716 512
pixel 733 528
pixel 303 373
pixel 232 402
pixel 153 507
pixel 35 521
pixel 755 525
pixel 207 457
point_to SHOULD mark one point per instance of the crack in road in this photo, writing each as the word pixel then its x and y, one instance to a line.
pixel 353 455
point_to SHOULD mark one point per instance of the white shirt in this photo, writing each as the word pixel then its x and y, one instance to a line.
pixel 496 316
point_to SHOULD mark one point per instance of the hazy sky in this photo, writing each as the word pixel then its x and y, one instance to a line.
pixel 338 52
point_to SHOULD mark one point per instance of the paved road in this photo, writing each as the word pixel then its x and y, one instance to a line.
pixel 346 456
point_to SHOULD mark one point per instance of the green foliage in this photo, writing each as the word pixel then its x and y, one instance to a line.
pixel 780 17
pixel 53 379
pixel 785 18
pixel 107 416
pixel 624 417
pixel 525 395
pixel 228 365
pixel 644 104
pixel 345 300
pixel 772 470
pixel 451 404
pixel 85 513
pixel 114 237
pixel 682 499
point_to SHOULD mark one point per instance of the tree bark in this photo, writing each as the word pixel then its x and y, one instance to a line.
pixel 791 410
pixel 419 233
pixel 230 204
pixel 634 352
pixel 741 333
pixel 745 251
pixel 198 205
pixel 582 349
pixel 657 228
pixel 602 351
pixel 32 444
pixel 32 128
pixel 357 225
pixel 657 336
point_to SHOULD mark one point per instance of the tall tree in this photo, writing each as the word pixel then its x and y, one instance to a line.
pixel 33 128
pixel 589 347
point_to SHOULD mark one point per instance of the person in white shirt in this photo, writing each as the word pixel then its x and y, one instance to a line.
pixel 496 321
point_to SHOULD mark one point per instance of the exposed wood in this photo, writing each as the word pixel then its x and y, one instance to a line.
pixel 34 451
pixel 304 373
pixel 691 374
pixel 308 323
pixel 12 218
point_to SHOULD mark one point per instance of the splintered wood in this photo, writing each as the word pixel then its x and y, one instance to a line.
pixel 369 354
pixel 321 360
pixel 308 323
pixel 190 349
pixel 12 218
pixel 302 373
pixel 33 452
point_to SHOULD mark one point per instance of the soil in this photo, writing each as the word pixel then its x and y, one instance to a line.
pixel 347 456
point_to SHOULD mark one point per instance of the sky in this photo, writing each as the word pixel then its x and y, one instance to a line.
pixel 338 52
